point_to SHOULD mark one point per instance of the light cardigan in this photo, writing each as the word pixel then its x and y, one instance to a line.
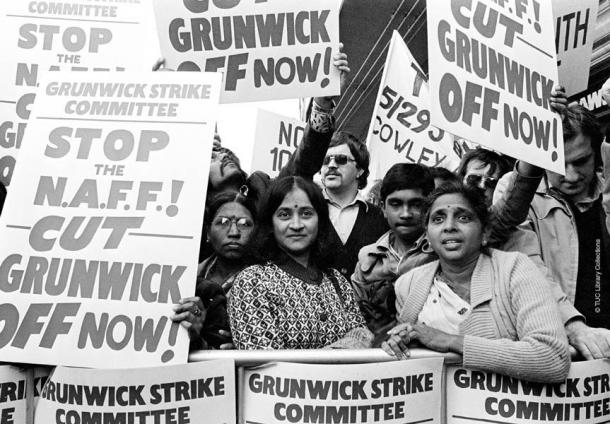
pixel 514 327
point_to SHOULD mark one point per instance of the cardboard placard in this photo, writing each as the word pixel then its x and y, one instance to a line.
pixel 267 50
pixel 492 70
pixel 103 223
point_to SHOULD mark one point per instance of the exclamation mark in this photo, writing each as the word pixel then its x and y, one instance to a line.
pixel 554 154
pixel 173 335
pixel 537 26
pixel 327 54
pixel 172 210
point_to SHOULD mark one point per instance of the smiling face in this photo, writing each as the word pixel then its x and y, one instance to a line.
pixel 403 210
pixel 295 225
pixel 340 178
pixel 231 230
pixel 454 230
pixel 580 169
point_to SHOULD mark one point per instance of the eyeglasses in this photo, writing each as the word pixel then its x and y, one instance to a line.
pixel 225 223
pixel 339 159
pixel 476 180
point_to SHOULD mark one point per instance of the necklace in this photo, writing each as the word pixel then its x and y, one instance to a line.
pixel 462 290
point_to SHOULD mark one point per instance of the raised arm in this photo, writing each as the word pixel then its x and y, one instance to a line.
pixel 307 160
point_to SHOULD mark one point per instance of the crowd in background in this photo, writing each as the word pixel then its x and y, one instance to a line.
pixel 500 261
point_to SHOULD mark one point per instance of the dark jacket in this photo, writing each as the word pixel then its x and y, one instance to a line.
pixel 370 225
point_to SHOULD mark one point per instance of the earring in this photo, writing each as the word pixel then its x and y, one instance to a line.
pixel 484 243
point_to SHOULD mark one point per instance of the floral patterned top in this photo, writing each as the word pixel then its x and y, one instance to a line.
pixel 285 306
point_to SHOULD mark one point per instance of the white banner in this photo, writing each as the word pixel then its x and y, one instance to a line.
pixel 477 396
pixel 267 50
pixel 493 67
pixel 276 139
pixel 182 394
pixel 389 392
pixel 78 35
pixel 400 130
pixel 103 222
pixel 13 395
pixel 575 23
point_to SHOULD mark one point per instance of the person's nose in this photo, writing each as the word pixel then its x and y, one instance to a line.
pixel 406 212
pixel 296 223
pixel 233 230
pixel 449 224
pixel 571 173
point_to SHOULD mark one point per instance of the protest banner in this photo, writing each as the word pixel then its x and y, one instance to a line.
pixel 492 70
pixel 400 129
pixel 574 35
pixel 390 392
pixel 180 394
pixel 267 50
pixel 102 224
pixel 13 395
pixel 77 35
pixel 275 141
pixel 478 396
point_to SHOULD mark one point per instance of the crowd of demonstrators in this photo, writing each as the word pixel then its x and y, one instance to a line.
pixel 499 261
pixel 492 307
pixel 294 299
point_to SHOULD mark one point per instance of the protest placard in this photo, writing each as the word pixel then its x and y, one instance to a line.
pixel 102 225
pixel 77 35
pixel 389 392
pixel 271 49
pixel 275 141
pixel 574 35
pixel 180 394
pixel 13 395
pixel 478 396
pixel 492 70
pixel 400 129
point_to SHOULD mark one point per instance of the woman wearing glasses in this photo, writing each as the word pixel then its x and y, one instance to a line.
pixel 229 226
pixel 294 300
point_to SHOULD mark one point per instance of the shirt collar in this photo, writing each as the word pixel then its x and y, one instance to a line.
pixel 584 204
pixel 358 199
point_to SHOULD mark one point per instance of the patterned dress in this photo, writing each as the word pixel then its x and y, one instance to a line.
pixel 273 307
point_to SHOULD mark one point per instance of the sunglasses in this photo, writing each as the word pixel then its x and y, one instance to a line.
pixel 225 223
pixel 339 159
pixel 476 180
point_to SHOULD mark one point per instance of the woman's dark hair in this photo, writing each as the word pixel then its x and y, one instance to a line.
pixel 405 176
pixel 264 244
pixel 473 195
pixel 227 197
pixel 496 162
pixel 358 150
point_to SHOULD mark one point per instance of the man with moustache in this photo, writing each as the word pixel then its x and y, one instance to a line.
pixel 356 222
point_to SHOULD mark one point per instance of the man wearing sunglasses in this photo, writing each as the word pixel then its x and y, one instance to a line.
pixel 482 168
pixel 356 223
pixel 568 217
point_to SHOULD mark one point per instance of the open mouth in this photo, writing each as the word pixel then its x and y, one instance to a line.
pixel 451 242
